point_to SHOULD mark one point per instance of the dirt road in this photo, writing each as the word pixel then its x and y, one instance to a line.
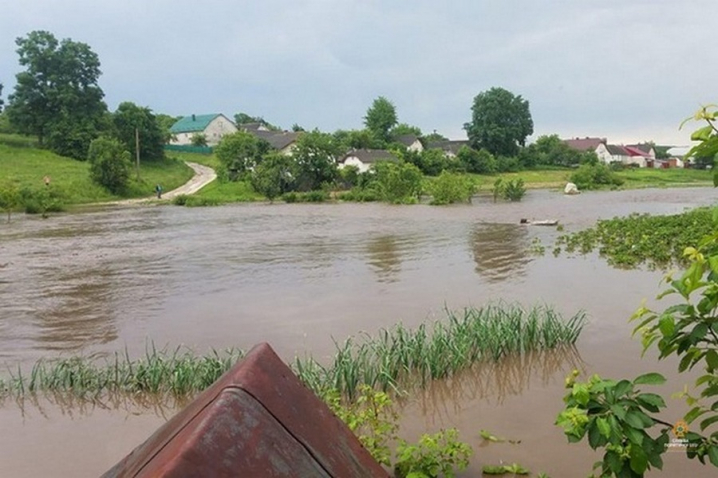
pixel 203 175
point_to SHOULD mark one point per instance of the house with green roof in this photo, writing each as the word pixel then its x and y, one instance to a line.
pixel 212 126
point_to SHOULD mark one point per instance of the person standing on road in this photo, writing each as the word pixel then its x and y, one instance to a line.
pixel 158 190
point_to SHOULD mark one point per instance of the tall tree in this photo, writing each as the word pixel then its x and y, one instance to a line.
pixel 500 123
pixel 405 129
pixel 315 153
pixel 57 97
pixel 244 118
pixel 130 117
pixel 380 118
pixel 239 153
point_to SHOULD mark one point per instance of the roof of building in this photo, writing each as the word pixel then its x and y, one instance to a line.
pixel 635 151
pixel 277 139
pixel 370 155
pixel 451 145
pixel 584 144
pixel 252 127
pixel 616 150
pixel 407 139
pixel 644 147
pixel 193 123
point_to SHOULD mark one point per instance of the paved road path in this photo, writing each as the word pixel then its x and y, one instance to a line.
pixel 203 175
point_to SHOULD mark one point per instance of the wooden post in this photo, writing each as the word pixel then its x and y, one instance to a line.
pixel 137 151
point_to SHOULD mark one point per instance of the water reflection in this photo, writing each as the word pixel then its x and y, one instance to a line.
pixel 510 376
pixel 500 250
pixel 384 258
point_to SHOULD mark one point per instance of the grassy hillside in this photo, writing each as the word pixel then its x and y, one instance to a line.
pixel 27 165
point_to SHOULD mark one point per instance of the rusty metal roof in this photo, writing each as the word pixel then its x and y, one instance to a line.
pixel 257 420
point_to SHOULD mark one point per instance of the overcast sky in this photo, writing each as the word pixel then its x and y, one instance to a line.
pixel 628 70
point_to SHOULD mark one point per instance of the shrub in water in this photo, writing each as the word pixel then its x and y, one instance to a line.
pixel 593 176
pixel 450 188
pixel 514 190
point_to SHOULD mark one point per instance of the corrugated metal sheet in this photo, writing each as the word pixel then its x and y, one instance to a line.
pixel 257 420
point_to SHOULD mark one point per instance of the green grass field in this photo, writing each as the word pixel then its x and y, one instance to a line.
pixel 645 178
pixel 27 166
pixel 220 193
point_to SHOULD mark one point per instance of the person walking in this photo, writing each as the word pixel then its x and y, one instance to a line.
pixel 158 190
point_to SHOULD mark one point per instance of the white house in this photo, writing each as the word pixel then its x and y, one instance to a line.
pixel 364 158
pixel 610 153
pixel 411 142
pixel 449 147
pixel 212 126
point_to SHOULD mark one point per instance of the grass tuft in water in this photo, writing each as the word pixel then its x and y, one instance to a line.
pixel 398 358
pixel 395 358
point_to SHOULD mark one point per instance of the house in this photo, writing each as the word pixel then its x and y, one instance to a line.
pixel 411 142
pixel 639 156
pixel 212 126
pixel 364 158
pixel 612 153
pixel 645 148
pixel 282 141
pixel 449 147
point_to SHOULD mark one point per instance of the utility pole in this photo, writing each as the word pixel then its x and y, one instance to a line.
pixel 137 151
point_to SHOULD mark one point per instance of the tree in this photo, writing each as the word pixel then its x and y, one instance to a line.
pixel 57 97
pixel 380 118
pixel 403 129
pixel 199 139
pixel 356 139
pixel 165 122
pixel 552 151
pixel 110 164
pixel 501 122
pixel 9 197
pixel 130 117
pixel 274 176
pixel 433 137
pixel 244 118
pixel 315 154
pixel 239 153
pixel 478 162
pixel 398 182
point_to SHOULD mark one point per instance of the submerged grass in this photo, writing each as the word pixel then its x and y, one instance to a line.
pixel 396 358
pixel 160 372
pixel 399 358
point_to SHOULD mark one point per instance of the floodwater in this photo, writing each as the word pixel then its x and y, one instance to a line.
pixel 301 276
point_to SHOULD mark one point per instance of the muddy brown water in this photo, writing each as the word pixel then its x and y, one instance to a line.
pixel 299 277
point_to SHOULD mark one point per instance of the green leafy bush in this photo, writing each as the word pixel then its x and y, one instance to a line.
pixel 110 164
pixel 441 454
pixel 593 176
pixel 450 188
pixel 398 183
pixel 42 200
pixel 513 190
pixel 309 196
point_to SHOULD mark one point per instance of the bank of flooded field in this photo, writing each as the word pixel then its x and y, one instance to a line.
pixel 301 277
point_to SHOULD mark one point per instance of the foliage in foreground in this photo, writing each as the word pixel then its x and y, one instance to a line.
pixel 641 238
pixel 371 417
pixel 615 414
